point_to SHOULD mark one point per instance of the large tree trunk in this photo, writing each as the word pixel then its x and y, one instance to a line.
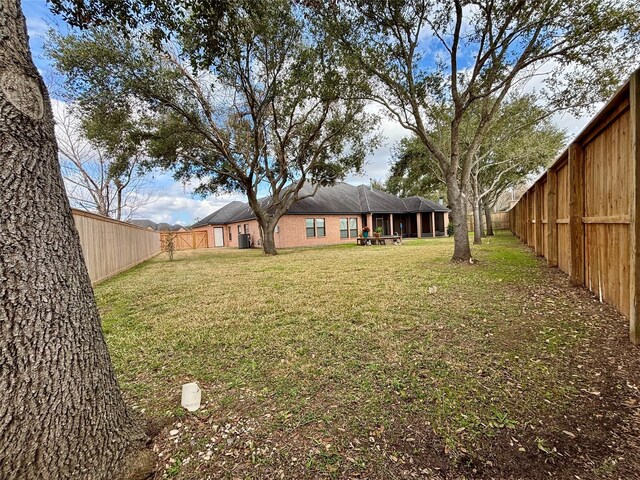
pixel 488 220
pixel 458 205
pixel 268 239
pixel 62 414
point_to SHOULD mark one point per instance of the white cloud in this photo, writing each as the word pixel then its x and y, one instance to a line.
pixel 177 204
pixel 573 125
pixel 377 165
pixel 536 83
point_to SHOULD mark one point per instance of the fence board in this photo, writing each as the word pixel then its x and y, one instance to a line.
pixel 562 209
pixel 583 215
pixel 531 215
pixel 500 221
pixel 190 240
pixel 576 212
pixel 634 208
pixel 552 215
pixel 607 198
pixel 110 247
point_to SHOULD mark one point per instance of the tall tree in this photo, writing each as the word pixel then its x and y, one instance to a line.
pixel 270 111
pixel 102 167
pixel 522 139
pixel 62 414
pixel 473 54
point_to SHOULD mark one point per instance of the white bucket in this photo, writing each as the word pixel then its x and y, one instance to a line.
pixel 191 396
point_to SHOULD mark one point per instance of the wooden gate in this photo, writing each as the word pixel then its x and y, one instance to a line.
pixel 188 240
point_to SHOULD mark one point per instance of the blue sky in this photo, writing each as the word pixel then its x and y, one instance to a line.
pixel 174 202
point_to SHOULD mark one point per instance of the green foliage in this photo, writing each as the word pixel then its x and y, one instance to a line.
pixel 438 59
pixel 272 106
pixel 414 171
pixel 450 229
pixel 500 419
pixel 379 185
pixel 164 19
pixel 521 141
pixel 491 49
pixel 102 166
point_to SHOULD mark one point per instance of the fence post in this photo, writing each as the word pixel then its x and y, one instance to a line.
pixel 539 226
pixel 525 218
pixel 576 211
pixel 552 216
pixel 531 216
pixel 522 216
pixel 522 206
pixel 634 271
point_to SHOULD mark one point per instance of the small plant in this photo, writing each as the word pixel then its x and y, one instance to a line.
pixel 501 419
pixel 450 229
pixel 168 245
pixel 378 231
pixel 366 229
pixel 542 446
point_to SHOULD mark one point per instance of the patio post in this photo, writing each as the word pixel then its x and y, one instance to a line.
pixel 391 223
pixel 433 224
pixel 419 224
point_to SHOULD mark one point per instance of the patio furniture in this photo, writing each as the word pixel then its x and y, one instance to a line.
pixel 382 240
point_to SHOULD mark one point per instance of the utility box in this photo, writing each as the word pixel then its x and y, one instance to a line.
pixel 244 240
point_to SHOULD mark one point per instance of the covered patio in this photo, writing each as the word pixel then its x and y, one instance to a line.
pixel 409 225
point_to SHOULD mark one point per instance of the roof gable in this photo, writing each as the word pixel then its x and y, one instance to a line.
pixel 421 204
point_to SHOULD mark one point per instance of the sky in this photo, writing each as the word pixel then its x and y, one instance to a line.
pixel 174 202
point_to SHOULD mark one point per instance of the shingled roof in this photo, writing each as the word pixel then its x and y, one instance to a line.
pixel 421 204
pixel 144 223
pixel 340 198
pixel 230 213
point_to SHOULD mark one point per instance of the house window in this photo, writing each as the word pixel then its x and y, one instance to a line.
pixel 353 227
pixel 230 234
pixel 311 227
pixel 277 229
pixel 246 228
pixel 239 229
pixel 344 228
pixel 348 227
pixel 320 227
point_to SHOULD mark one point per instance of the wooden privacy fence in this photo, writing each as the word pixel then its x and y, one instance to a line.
pixel 500 221
pixel 188 240
pixel 582 214
pixel 110 246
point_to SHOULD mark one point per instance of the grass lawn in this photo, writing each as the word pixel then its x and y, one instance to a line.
pixel 336 362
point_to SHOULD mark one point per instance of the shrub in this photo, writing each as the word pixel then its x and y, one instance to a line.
pixel 168 244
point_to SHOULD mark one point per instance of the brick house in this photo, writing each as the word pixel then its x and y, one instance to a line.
pixel 333 215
